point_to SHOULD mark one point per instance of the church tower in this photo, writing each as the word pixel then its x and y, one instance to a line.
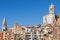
pixel 51 9
pixel 4 25
pixel 49 18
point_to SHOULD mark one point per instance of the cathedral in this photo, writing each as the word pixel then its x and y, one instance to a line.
pixel 49 18
pixel 49 30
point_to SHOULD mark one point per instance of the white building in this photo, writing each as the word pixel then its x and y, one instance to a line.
pixel 48 19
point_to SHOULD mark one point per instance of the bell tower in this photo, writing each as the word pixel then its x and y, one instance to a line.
pixel 52 9
pixel 4 25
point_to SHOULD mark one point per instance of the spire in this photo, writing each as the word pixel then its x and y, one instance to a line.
pixel 52 9
pixel 52 5
pixel 4 20
pixel 4 24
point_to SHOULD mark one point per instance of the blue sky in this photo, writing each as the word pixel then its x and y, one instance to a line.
pixel 25 12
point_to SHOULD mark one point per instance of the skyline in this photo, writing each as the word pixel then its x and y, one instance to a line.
pixel 25 12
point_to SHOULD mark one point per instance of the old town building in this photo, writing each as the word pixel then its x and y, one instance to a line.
pixel 1 35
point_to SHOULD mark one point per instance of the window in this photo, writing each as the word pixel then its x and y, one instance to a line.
pixel 17 36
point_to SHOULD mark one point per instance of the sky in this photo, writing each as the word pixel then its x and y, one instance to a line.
pixel 25 12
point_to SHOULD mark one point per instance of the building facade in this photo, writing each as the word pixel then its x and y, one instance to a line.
pixel 1 35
